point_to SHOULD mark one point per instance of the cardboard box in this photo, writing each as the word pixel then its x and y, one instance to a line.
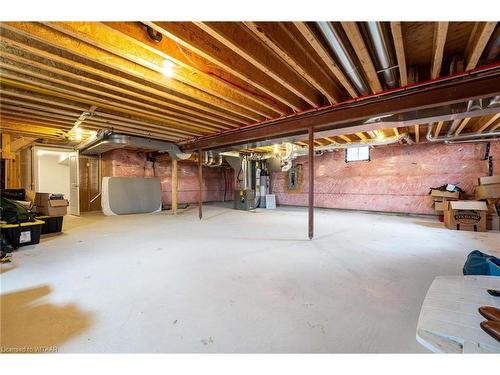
pixel 491 191
pixel 466 215
pixel 439 206
pixel 445 194
pixel 488 180
pixel 492 209
pixel 50 207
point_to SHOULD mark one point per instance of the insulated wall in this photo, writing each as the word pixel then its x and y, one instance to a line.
pixel 216 183
pixel 397 179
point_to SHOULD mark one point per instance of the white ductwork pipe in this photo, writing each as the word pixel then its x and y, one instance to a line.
pixel 376 33
pixel 464 137
pixel 293 151
pixel 340 51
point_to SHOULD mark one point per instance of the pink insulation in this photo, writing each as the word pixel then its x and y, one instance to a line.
pixel 132 164
pixel 397 179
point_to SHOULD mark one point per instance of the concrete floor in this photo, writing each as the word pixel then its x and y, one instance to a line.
pixel 233 282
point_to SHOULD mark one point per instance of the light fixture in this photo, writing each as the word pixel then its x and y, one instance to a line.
pixel 380 135
pixel 167 68
pixel 78 133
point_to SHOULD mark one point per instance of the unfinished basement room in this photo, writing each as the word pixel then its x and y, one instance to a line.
pixel 250 187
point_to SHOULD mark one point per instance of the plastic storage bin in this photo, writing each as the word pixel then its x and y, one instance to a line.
pixel 23 234
pixel 53 224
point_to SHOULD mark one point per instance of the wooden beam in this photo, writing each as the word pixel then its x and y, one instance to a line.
pixel 462 125
pixel 21 143
pixel 186 108
pixel 198 65
pixel 85 83
pixel 477 42
pixel 354 35
pixel 187 35
pixel 118 123
pixel 128 104
pixel 417 133
pixel 438 128
pixel 95 34
pixel 361 136
pixel 396 132
pixel 488 123
pixel 495 127
pixel 345 138
pixel 397 36
pixel 174 186
pixel 310 160
pixel 325 56
pixel 242 42
pixel 30 130
pixel 15 81
pixel 331 140
pixel 67 43
pixel 277 37
pixel 6 152
pixel 440 32
pixel 200 183
pixel 24 98
pixel 339 120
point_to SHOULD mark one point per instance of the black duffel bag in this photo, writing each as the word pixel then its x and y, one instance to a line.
pixel 14 213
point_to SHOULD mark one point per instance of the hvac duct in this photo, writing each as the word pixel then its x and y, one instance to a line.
pixel 376 32
pixel 340 51
pixel 450 138
pixel 293 151
pixel 106 140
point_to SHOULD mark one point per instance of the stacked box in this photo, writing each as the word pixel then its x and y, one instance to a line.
pixel 439 199
pixel 466 215
pixel 488 190
pixel 50 207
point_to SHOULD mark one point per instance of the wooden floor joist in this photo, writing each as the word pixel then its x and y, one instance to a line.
pixel 210 84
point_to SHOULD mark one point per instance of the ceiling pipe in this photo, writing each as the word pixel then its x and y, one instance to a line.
pixel 453 127
pixel 338 47
pixel 472 141
pixel 381 48
pixel 465 137
pixel 494 46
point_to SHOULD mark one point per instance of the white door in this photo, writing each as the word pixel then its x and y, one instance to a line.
pixel 74 194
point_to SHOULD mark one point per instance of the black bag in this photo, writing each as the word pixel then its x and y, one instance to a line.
pixel 14 213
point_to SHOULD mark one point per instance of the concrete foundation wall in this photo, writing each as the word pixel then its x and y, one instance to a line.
pixel 397 179
pixel 216 180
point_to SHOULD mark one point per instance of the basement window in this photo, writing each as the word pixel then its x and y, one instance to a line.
pixel 357 154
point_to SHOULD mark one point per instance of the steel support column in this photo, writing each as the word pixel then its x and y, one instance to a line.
pixel 174 186
pixel 200 181
pixel 311 184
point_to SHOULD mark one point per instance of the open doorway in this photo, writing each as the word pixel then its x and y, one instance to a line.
pixel 55 170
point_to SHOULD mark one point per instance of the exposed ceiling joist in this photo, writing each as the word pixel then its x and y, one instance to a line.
pixel 397 36
pixel 280 39
pixel 325 56
pixel 440 33
pixel 477 42
pixel 454 91
pixel 354 36
pixel 248 47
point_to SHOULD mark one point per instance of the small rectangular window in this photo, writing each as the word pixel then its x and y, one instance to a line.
pixel 357 154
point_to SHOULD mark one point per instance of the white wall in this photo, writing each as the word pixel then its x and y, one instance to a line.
pixel 53 177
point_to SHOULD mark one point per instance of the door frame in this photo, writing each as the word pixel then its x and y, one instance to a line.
pixel 34 168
